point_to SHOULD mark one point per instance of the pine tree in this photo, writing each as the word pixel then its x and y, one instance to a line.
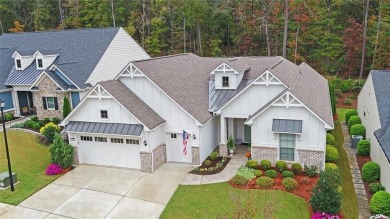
pixel 61 153
pixel 66 108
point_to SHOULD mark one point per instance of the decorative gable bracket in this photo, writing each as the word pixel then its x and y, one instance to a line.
pixel 130 71
pixel 288 100
pixel 100 93
pixel 267 78
pixel 224 68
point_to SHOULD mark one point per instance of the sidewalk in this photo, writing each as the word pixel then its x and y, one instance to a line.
pixel 362 201
pixel 236 161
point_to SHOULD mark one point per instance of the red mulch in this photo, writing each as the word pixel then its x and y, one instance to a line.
pixel 361 160
pixel 213 164
pixel 64 171
pixel 340 103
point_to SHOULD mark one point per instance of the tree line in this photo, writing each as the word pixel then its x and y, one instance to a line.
pixel 330 35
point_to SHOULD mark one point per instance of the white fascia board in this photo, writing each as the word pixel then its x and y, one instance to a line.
pixel 54 66
pixel 40 77
pixel 6 90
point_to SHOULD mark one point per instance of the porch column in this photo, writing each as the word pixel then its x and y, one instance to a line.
pixel 15 100
pixel 222 145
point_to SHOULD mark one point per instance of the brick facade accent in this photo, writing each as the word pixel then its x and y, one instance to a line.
pixel 46 89
pixel 223 150
pixel 159 156
pixel 195 156
pixel 264 153
pixel 311 157
pixel 76 160
pixel 146 162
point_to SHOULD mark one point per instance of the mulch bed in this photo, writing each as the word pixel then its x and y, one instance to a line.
pixel 361 160
pixel 340 103
pixel 213 164
pixel 64 171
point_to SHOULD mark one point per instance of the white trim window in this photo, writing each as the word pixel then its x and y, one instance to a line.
pixel 39 63
pixel 173 135
pixel 86 138
pixel 132 141
pixel 225 81
pixel 101 139
pixel 104 114
pixel 287 146
pixel 18 63
pixel 50 103
pixel 117 140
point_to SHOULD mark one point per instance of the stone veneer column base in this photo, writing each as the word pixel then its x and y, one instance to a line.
pixel 311 157
pixel 223 150
pixel 76 160
pixel 146 162
pixel 159 156
pixel 195 156
pixel 264 153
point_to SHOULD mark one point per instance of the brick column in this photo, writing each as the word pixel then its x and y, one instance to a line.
pixel 195 156
pixel 76 160
pixel 159 156
pixel 146 162
pixel 223 150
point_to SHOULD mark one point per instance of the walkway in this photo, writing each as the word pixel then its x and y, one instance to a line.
pixel 237 160
pixel 364 210
pixel 13 122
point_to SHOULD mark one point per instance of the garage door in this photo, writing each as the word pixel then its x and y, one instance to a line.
pixel 94 150
pixel 175 148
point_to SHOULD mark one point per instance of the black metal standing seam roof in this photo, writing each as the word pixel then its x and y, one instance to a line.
pixel 104 128
pixel 287 125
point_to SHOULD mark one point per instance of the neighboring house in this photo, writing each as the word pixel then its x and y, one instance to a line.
pixel 38 69
pixel 137 120
pixel 374 110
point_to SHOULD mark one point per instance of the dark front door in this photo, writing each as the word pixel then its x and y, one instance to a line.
pixel 247 132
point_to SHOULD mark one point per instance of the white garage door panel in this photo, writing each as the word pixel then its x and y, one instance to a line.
pixel 109 154
pixel 175 149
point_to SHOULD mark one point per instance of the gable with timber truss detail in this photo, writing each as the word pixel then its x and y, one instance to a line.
pixel 224 68
pixel 130 71
pixel 99 92
pixel 288 100
pixel 267 78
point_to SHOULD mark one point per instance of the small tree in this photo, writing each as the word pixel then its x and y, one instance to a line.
pixel 66 108
pixel 61 153
pixel 332 99
pixel 325 195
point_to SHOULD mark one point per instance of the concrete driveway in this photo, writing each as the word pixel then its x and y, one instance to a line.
pixel 103 192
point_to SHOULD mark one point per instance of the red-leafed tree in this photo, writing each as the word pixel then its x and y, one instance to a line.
pixel 352 38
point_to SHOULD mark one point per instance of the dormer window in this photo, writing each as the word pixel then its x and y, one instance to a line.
pixel 39 63
pixel 225 81
pixel 18 64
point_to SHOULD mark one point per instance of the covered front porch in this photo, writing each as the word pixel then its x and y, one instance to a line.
pixel 235 128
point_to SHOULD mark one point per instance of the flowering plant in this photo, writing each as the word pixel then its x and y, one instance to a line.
pixel 323 215
pixel 379 216
pixel 53 169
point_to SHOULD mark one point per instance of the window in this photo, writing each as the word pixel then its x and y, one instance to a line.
pixel 173 135
pixel 117 140
pixel 50 103
pixel 86 138
pixel 132 141
pixel 287 146
pixel 101 139
pixel 225 81
pixel 103 114
pixel 18 63
pixel 40 64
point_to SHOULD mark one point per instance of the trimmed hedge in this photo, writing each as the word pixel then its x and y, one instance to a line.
pixel 281 165
pixel 265 164
pixel 353 121
pixel 376 187
pixel 265 182
pixel 257 173
pixel 350 113
pixel 296 168
pixel 289 184
pixel 239 180
pixel 271 173
pixel 287 174
pixel 371 171
pixel 331 166
pixel 363 148
pixel 332 154
pixel 213 155
pixel 252 164
pixel 358 129
pixel 380 203
pixel 329 139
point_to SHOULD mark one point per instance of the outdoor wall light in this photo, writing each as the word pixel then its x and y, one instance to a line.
pixel 194 136
pixel 145 143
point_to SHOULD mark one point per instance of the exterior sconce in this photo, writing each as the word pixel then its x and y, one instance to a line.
pixel 145 143
pixel 194 136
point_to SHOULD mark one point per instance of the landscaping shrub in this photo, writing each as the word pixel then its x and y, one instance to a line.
pixel 66 108
pixel 331 166
pixel 332 154
pixel 311 171
pixel 371 171
pixel 34 118
pixel 239 180
pixel 346 85
pixel 207 163
pixel 357 85
pixel 49 130
pixel 348 101
pixel 257 173
pixel 19 125
pixel 323 215
pixel 325 195
pixel 363 148
pixel 332 99
pixel 246 172
pixel 349 114
pixel 53 169
pixel 265 164
pixel 281 165
pixel 56 120
pixel 252 164
pixel 338 93
pixel 380 203
pixel 296 168
pixel 289 184
pixel 358 129
pixel 29 124
pixel 61 153
pixel 353 121
pixel 376 187
pixel 329 139
pixel 213 155
pixel 46 120
pixel 265 182
pixel 287 174
pixel 9 116
pixel 271 173
pixel 36 125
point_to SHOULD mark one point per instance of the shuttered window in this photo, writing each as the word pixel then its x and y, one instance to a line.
pixel 50 103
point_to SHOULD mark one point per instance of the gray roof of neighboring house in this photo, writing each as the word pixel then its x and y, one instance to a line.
pixel 132 103
pixel 184 77
pixel 381 81
pixel 104 128
pixel 80 50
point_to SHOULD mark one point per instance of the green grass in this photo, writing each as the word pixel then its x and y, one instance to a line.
pixel 341 112
pixel 349 203
pixel 212 200
pixel 29 160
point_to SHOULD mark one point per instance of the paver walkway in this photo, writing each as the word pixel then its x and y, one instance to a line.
pixel 364 210
pixel 237 160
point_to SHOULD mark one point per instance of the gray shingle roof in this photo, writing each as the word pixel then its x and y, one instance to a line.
pixel 80 50
pixel 185 77
pixel 381 81
pixel 104 128
pixel 133 103
pixel 219 97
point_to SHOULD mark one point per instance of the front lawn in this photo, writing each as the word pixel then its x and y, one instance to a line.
pixel 29 160
pixel 220 200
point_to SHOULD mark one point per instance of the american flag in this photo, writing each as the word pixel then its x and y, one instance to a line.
pixel 185 135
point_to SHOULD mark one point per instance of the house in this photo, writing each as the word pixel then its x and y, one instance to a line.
pixel 374 111
pixel 144 117
pixel 39 69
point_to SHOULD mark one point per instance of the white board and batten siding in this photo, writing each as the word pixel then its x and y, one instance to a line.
pixel 122 49
pixel 208 137
pixel 370 119
pixel 313 130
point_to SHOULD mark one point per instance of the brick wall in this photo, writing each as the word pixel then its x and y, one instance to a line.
pixel 264 153
pixel 146 162
pixel 195 156
pixel 159 156
pixel 223 151
pixel 311 157
pixel 76 160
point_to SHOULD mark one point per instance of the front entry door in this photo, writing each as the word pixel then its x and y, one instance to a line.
pixel 247 131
